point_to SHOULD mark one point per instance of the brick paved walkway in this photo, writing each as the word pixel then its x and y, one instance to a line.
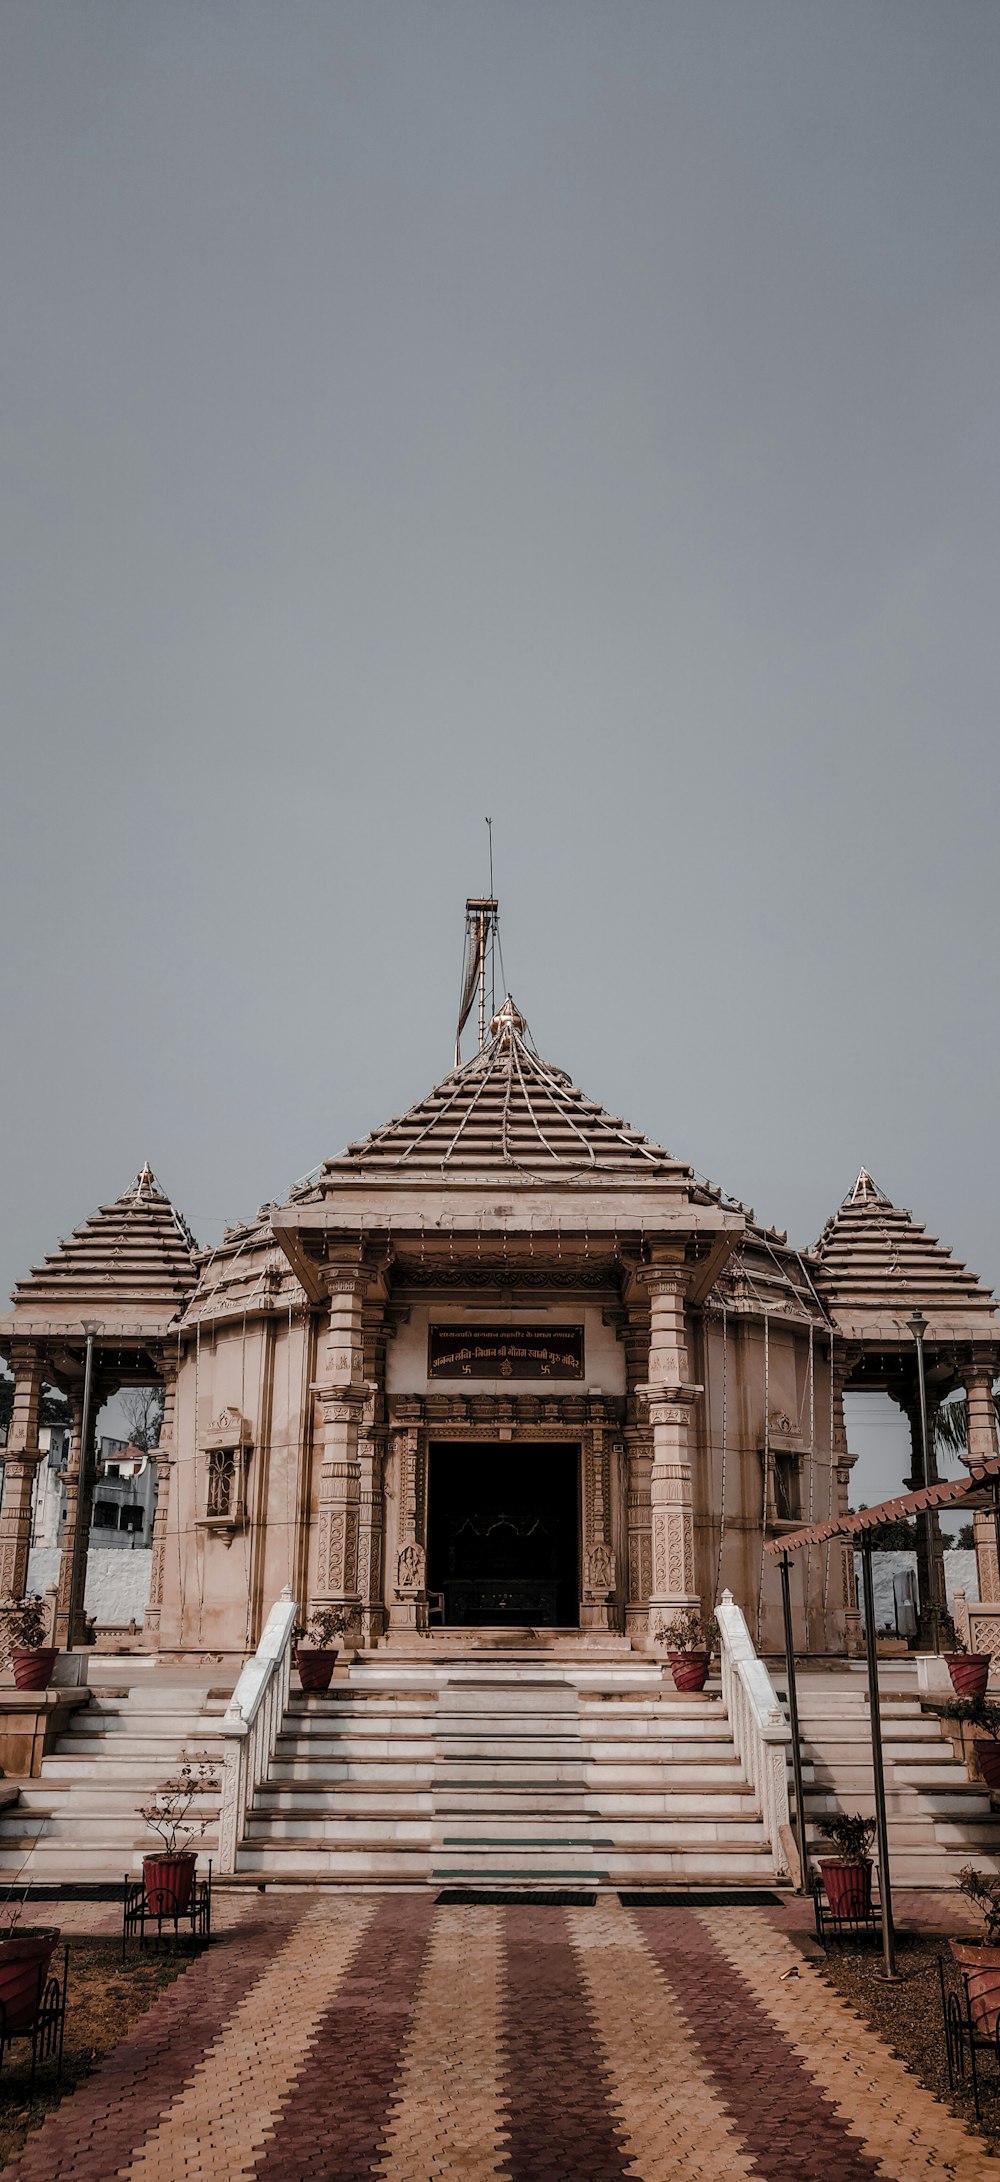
pixel 329 2037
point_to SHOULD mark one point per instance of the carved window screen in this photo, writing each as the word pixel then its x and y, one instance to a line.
pixel 227 1452
pixel 221 1480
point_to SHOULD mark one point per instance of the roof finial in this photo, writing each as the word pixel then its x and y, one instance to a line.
pixel 866 1191
pixel 508 1022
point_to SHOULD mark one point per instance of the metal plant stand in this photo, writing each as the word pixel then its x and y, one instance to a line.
pixel 831 1925
pixel 971 2029
pixel 47 2028
pixel 169 1926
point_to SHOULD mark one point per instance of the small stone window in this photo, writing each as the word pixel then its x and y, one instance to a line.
pixel 782 1462
pixel 787 1494
pixel 227 1449
pixel 221 1480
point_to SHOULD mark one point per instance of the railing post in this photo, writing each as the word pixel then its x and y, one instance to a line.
pixel 251 1722
pixel 760 1731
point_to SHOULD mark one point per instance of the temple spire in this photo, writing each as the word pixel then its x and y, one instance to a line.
pixel 866 1191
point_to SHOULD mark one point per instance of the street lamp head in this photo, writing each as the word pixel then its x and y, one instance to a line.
pixel 918 1323
pixel 92 1326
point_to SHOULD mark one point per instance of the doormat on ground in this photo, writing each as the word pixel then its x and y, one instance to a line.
pixel 700 1898
pixel 515 1897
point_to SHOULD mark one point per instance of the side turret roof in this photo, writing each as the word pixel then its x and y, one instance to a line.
pixel 874 1263
pixel 132 1262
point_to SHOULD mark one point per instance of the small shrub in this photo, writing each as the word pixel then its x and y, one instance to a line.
pixel 976 1712
pixel 689 1632
pixel 26 1624
pixel 324 1625
pixel 983 1888
pixel 168 1813
pixel 852 1836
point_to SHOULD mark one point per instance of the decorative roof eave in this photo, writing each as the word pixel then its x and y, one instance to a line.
pixel 942 1495
pixel 882 1329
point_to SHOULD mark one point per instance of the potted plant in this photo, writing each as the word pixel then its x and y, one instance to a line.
pixel 167 1873
pixel 32 1659
pixel 979 1712
pixel 690 1642
pixel 847 1876
pixel 314 1651
pixel 969 1671
pixel 982 1889
pixel 25 1953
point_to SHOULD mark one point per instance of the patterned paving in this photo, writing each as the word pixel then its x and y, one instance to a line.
pixel 336 2036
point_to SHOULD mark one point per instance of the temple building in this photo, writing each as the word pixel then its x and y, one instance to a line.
pixel 504 1366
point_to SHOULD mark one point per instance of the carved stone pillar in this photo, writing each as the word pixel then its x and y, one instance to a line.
pixel 371 1457
pixel 634 1335
pixel 341 1396
pixel 669 1395
pixel 407 1582
pixel 163 1456
pixel 78 1507
pixel 981 1444
pixel 20 1469
pixel 599 1576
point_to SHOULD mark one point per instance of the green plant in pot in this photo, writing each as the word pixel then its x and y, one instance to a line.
pixel 314 1649
pixel 168 1873
pixel 25 1953
pixel 32 1659
pixel 982 1889
pixel 969 1671
pixel 980 1713
pixel 847 1876
pixel 690 1638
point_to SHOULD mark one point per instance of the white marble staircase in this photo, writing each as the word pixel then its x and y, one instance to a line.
pixel 506 1769
pixel 79 1820
pixel 938 1818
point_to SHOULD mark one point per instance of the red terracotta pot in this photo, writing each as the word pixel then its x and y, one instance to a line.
pixel 315 1667
pixel 975 1954
pixel 168 1880
pixel 969 1671
pixel 24 1964
pixel 689 1669
pixel 33 1670
pixel 988 1756
pixel 848 1886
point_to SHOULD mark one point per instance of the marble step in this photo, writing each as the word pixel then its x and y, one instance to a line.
pixel 359 1865
pixel 941 1803
pixel 346 1830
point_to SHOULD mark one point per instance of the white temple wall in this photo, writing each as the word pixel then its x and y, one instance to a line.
pixel 737 1415
pixel 220 1580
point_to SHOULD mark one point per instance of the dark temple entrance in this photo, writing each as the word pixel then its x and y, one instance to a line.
pixel 503 1533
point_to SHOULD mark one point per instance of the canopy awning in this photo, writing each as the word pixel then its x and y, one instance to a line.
pixel 887 1511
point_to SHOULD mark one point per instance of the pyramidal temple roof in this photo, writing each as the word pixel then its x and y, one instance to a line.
pixel 506 1109
pixel 134 1257
pixel 873 1265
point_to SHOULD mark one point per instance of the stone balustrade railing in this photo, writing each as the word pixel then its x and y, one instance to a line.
pixel 760 1730
pixel 251 1723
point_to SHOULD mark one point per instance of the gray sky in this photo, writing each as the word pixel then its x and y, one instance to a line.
pixel 581 413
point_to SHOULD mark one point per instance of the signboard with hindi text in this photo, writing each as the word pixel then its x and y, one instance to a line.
pixel 505 1352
